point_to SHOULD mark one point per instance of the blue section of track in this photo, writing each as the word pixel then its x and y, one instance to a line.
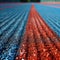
pixel 12 25
pixel 51 16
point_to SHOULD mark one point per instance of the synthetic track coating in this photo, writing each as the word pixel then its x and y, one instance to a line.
pixel 25 35
pixel 12 28
pixel 39 41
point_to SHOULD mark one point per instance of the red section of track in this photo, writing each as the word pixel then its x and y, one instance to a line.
pixel 39 41
pixel 6 7
pixel 49 3
pixel 55 6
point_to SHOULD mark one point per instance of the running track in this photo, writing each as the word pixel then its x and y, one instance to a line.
pixel 29 31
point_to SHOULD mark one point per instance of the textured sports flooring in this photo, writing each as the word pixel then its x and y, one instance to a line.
pixel 29 31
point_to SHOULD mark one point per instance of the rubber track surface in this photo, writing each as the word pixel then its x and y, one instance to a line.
pixel 12 27
pixel 50 14
pixel 39 41
pixel 28 32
